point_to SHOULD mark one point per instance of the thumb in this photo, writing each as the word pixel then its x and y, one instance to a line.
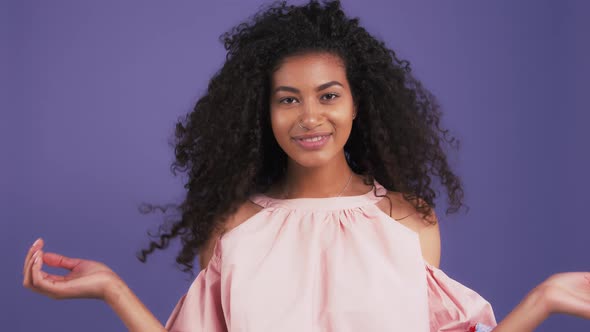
pixel 57 260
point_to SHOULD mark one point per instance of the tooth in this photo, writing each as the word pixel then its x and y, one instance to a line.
pixel 313 139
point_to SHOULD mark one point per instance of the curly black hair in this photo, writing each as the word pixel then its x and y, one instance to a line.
pixel 396 138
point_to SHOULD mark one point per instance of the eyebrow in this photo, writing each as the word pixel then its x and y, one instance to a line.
pixel 295 90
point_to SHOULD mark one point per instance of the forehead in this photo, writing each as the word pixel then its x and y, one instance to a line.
pixel 309 69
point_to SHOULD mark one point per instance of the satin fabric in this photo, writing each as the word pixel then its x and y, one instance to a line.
pixel 324 264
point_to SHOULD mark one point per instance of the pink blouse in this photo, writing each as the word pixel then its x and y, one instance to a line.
pixel 325 264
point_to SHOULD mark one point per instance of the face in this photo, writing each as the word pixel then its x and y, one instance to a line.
pixel 311 108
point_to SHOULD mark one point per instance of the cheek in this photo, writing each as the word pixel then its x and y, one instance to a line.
pixel 343 119
pixel 280 126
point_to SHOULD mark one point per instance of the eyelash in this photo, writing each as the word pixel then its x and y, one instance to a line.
pixel 327 94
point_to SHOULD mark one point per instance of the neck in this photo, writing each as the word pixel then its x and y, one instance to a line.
pixel 315 182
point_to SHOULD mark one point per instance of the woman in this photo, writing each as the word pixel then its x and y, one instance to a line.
pixel 310 161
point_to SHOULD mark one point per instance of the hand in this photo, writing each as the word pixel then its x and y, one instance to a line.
pixel 87 279
pixel 567 293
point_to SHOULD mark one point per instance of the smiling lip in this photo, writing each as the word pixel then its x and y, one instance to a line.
pixel 315 144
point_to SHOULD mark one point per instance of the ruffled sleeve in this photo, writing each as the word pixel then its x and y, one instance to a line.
pixel 200 308
pixel 454 307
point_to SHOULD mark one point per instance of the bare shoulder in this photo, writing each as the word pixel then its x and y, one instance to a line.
pixel 426 227
pixel 245 210
pixel 404 212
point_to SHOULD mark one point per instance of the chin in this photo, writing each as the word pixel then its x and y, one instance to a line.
pixel 310 161
pixel 309 164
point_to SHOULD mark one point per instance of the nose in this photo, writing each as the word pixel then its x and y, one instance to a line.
pixel 312 115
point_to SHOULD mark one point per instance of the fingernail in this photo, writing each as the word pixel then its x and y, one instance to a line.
pixel 36 242
pixel 36 259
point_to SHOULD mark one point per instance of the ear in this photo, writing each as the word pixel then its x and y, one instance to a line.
pixel 354 112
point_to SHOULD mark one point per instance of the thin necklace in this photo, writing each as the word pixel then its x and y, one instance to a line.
pixel 339 194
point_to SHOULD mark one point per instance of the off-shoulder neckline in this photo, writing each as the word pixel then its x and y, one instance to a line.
pixel 323 203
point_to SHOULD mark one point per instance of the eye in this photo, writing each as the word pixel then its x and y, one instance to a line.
pixel 331 95
pixel 288 100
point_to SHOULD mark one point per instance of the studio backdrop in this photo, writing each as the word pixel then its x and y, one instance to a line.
pixel 91 90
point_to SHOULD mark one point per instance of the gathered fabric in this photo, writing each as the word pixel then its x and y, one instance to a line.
pixel 325 264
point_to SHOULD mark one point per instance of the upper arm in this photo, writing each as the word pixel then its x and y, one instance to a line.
pixel 426 228
pixel 430 243
pixel 245 210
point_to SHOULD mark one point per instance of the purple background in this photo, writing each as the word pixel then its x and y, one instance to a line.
pixel 91 91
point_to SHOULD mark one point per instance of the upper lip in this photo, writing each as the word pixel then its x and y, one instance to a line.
pixel 316 134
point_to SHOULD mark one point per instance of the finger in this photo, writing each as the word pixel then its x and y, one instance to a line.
pixel 45 283
pixel 51 259
pixel 35 275
pixel 38 280
pixel 28 268
pixel 36 246
pixel 52 277
pixel 57 260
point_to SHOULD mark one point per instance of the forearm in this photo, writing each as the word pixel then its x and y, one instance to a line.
pixel 131 310
pixel 526 316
